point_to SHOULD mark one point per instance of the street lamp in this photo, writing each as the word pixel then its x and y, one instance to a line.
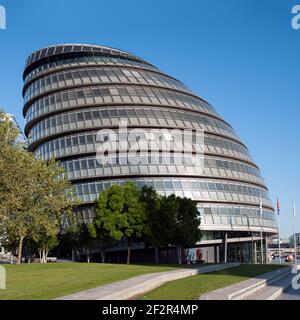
pixel 261 230
pixel 278 212
pixel 294 232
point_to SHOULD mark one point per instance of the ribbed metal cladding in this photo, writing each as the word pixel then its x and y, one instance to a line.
pixel 71 91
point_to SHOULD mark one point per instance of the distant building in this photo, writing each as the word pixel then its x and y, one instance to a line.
pixel 291 240
pixel 8 117
pixel 11 118
pixel 283 241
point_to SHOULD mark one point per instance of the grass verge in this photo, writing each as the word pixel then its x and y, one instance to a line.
pixel 46 281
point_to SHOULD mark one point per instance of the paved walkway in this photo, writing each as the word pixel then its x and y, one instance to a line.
pixel 272 290
pixel 290 294
pixel 262 287
pixel 132 287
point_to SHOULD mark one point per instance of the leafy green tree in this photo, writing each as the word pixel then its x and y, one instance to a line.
pixel 135 215
pixel 16 195
pixel 166 223
pixel 8 137
pixel 86 238
pixel 69 238
pixel 170 221
pixel 31 250
pixel 44 245
pixel 54 199
pixel 152 201
pixel 120 213
pixel 41 246
pixel 161 213
pixel 186 231
pixel 104 238
pixel 34 194
pixel 109 216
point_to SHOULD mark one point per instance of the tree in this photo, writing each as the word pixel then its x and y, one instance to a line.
pixel 170 221
pixel 151 200
pixel 53 199
pixel 104 237
pixel 34 194
pixel 155 221
pixel 119 213
pixel 8 137
pixel 135 215
pixel 69 238
pixel 160 213
pixel 186 231
pixel 108 217
pixel 16 195
pixel 166 221
pixel 31 249
pixel 44 245
pixel 86 238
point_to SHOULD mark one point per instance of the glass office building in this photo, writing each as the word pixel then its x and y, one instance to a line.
pixel 72 91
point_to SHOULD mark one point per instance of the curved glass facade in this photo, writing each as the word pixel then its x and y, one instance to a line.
pixel 72 91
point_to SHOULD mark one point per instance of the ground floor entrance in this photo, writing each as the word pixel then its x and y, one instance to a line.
pixel 243 252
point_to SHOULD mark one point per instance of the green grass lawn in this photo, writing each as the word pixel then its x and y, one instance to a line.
pixel 191 288
pixel 46 281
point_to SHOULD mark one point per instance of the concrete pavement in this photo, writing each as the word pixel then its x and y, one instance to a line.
pixel 132 287
pixel 263 287
pixel 290 294
pixel 272 290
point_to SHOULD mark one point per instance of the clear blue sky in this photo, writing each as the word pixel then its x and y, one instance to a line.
pixel 240 55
